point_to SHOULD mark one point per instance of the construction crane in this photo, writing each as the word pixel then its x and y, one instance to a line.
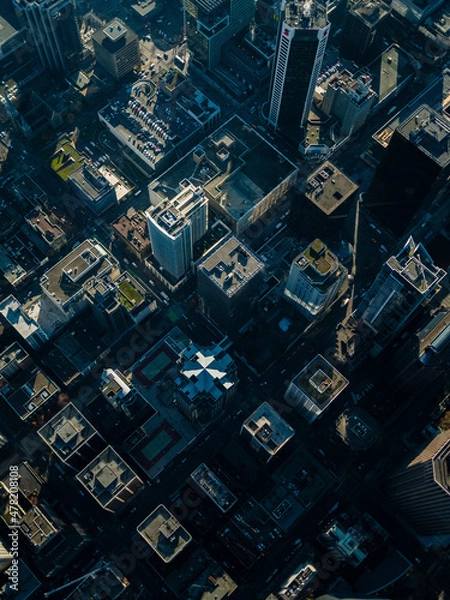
pixel 101 567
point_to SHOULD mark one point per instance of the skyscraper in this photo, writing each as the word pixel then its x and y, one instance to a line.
pixel 403 284
pixel 174 227
pixel 116 48
pixel 414 167
pixel 362 28
pixel 53 30
pixel 302 39
pixel 314 279
pixel 420 491
pixel 210 23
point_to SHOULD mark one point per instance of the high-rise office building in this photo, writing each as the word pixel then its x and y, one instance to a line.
pixel 314 279
pixel 211 23
pixel 420 491
pixel 116 48
pixel 174 227
pixel 403 284
pixel 302 39
pixel 362 28
pixel 349 100
pixel 229 281
pixel 414 167
pixel 53 30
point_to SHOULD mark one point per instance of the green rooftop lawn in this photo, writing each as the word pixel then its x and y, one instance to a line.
pixel 129 295
pixel 66 160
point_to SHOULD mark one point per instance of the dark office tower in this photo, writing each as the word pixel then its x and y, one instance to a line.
pixel 53 30
pixel 420 491
pixel 414 167
pixel 211 23
pixel 116 48
pixel 302 39
pixel 364 24
pixel 404 282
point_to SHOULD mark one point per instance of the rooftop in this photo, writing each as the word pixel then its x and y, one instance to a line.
pixel 153 125
pixel 231 266
pixel 371 11
pixel 430 132
pixel 230 166
pixel 109 480
pixel 165 534
pixel 91 182
pixel 389 70
pixel 172 216
pixel 317 260
pixel 133 228
pixel 302 577
pixel 13 355
pixel 41 223
pixel 37 527
pixel 357 428
pixel 65 279
pixel 206 371
pixel 328 187
pixel 305 14
pixel 213 488
pixel 28 390
pixel 416 267
pixel 268 428
pixel 320 381
pixel 67 431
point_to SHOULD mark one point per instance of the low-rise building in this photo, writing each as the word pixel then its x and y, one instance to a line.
pixel 23 385
pixel 64 283
pixel 53 236
pixel 315 388
pixel 132 230
pixel 267 431
pixel 109 480
pixel 164 533
pixel 93 188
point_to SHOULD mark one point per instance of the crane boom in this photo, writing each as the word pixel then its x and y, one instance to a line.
pixel 82 578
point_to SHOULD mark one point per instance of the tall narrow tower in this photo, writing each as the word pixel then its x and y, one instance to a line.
pixel 302 39
pixel 211 23
pixel 420 491
pixel 53 30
